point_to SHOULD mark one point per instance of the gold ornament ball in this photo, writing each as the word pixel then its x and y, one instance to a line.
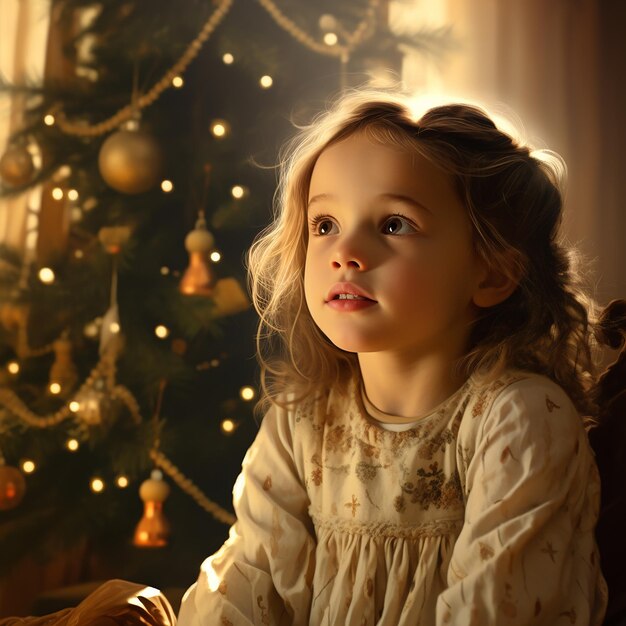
pixel 16 166
pixel 12 487
pixel 131 161
pixel 199 240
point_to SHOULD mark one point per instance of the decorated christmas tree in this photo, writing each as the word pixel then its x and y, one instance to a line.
pixel 127 348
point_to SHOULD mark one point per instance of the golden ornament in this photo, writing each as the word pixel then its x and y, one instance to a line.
pixel 93 404
pixel 16 166
pixel 130 160
pixel 12 487
pixel 229 297
pixel 198 279
pixel 153 529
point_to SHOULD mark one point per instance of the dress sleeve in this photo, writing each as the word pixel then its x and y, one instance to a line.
pixel 263 572
pixel 526 553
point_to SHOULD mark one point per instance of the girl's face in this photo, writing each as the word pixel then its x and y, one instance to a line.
pixel 391 224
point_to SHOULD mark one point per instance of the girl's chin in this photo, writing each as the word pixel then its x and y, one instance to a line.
pixel 355 346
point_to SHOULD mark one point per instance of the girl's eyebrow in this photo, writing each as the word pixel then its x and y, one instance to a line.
pixel 406 199
pixel 384 196
pixel 320 197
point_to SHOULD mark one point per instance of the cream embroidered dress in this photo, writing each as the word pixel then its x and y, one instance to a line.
pixel 482 513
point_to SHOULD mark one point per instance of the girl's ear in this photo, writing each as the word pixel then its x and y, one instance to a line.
pixel 494 287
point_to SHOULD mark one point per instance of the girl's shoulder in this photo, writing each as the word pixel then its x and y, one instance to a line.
pixel 521 398
pixel 526 384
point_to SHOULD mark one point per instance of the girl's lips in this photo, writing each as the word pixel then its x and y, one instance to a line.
pixel 350 305
pixel 351 288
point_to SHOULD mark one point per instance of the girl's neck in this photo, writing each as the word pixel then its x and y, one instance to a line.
pixel 408 390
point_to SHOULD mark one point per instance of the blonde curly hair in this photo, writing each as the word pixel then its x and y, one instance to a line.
pixel 514 198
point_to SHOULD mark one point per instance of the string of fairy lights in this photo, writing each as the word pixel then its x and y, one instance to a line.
pixel 330 46
pixel 85 407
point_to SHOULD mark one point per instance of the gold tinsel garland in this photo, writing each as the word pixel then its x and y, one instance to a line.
pixel 359 35
pixel 191 489
pixel 86 130
pixel 105 368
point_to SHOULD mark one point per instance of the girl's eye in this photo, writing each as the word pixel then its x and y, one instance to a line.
pixel 395 223
pixel 320 225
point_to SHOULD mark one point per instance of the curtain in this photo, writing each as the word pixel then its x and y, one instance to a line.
pixel 560 66
pixel 23 38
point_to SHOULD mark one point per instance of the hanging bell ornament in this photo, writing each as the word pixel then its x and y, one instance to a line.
pixel 229 298
pixel 198 279
pixel 12 487
pixel 130 160
pixel 153 529
pixel 16 166
pixel 63 373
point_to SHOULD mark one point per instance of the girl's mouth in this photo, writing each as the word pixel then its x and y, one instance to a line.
pixel 350 304
pixel 350 296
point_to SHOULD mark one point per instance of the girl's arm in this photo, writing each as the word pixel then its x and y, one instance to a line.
pixel 527 552
pixel 263 572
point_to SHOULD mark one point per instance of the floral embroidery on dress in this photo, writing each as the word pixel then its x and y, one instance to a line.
pixel 366 471
pixel 433 487
pixel 446 437
pixel 338 439
pixel 265 616
pixel 316 476
pixel 550 551
pixel 506 604
pixel 550 405
pixel 486 551
pixel 368 449
pixel 479 405
pixel 484 397
pixel 399 504
pixel 354 504
pixel 316 472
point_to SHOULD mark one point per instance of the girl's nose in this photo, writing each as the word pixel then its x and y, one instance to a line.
pixel 350 253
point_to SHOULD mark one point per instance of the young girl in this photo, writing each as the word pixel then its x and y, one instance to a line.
pixel 422 459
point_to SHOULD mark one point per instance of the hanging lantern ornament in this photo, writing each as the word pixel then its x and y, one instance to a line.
pixel 12 486
pixel 16 166
pixel 131 160
pixel 63 373
pixel 93 403
pixel 198 279
pixel 153 529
